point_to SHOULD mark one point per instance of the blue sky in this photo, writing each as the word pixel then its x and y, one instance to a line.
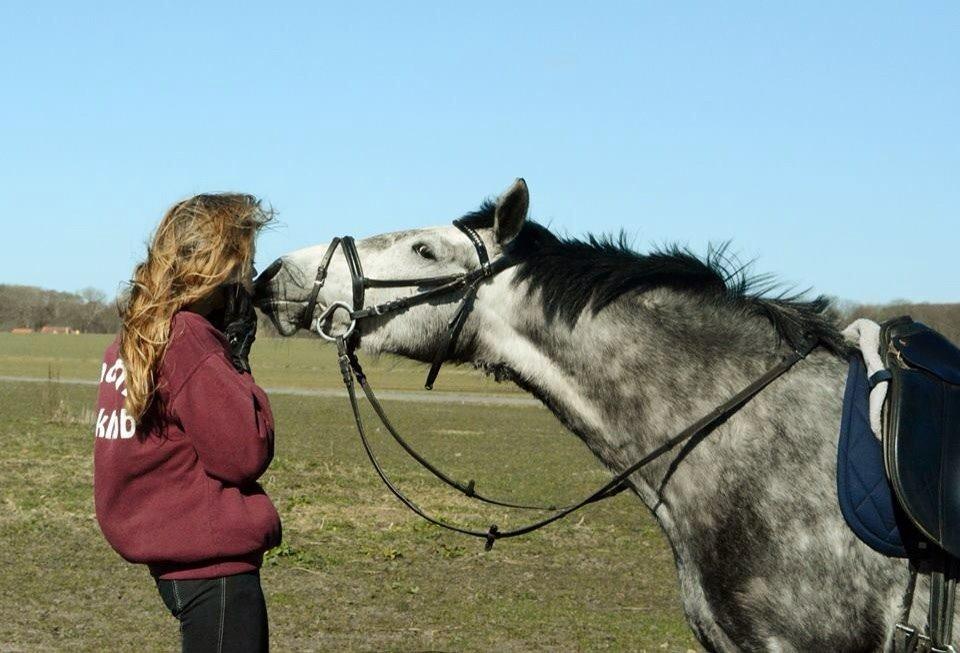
pixel 821 138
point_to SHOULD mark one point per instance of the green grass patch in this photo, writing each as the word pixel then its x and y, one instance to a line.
pixel 356 570
pixel 277 362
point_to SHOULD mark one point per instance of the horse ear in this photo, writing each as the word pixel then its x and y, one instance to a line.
pixel 511 212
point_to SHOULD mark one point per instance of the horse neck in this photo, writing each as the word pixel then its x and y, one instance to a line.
pixel 627 378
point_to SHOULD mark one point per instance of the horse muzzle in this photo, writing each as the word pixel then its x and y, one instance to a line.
pixel 280 296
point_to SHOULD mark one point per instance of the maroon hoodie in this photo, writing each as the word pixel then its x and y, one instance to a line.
pixel 179 492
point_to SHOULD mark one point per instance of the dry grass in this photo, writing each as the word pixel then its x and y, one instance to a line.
pixel 356 571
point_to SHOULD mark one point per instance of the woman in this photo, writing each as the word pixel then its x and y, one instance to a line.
pixel 183 432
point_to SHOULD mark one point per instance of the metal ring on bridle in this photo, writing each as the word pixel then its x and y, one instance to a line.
pixel 328 312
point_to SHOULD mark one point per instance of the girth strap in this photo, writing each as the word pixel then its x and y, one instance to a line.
pixel 905 638
pixel 943 589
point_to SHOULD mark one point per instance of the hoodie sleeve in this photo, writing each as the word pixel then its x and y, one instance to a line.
pixel 228 419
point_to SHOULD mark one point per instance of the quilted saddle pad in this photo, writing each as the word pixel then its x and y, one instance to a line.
pixel 866 498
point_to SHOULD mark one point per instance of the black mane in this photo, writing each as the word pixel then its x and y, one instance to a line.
pixel 572 274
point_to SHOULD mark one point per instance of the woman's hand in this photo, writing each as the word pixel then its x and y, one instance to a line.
pixel 240 326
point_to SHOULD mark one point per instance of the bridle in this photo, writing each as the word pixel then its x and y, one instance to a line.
pixel 439 286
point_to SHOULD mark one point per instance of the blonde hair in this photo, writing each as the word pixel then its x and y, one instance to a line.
pixel 200 244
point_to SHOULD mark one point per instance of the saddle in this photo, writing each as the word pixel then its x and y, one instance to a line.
pixel 922 428
pixel 921 452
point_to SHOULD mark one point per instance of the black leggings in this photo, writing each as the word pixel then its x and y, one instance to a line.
pixel 219 614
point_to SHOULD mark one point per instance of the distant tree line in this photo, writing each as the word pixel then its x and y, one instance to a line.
pixel 90 311
pixel 86 310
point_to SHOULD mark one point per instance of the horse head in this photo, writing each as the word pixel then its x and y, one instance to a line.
pixel 318 282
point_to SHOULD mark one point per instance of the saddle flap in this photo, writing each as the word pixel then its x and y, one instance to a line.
pixel 922 428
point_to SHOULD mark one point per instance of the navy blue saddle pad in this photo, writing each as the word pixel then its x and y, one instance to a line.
pixel 866 499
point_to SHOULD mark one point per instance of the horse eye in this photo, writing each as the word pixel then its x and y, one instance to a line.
pixel 424 251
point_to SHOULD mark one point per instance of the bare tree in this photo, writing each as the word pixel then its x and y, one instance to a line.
pixel 92 295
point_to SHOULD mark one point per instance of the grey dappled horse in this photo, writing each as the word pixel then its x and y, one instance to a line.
pixel 627 349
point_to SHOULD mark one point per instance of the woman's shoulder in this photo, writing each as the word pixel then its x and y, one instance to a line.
pixel 112 352
pixel 192 332
pixel 192 341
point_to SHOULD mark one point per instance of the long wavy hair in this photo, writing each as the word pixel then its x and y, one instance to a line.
pixel 200 244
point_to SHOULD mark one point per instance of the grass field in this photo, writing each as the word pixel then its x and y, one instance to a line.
pixel 277 362
pixel 356 571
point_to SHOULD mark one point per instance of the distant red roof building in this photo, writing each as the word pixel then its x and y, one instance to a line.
pixel 57 329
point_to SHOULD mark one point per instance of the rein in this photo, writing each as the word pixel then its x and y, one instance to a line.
pixel 352 374
pixel 350 369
